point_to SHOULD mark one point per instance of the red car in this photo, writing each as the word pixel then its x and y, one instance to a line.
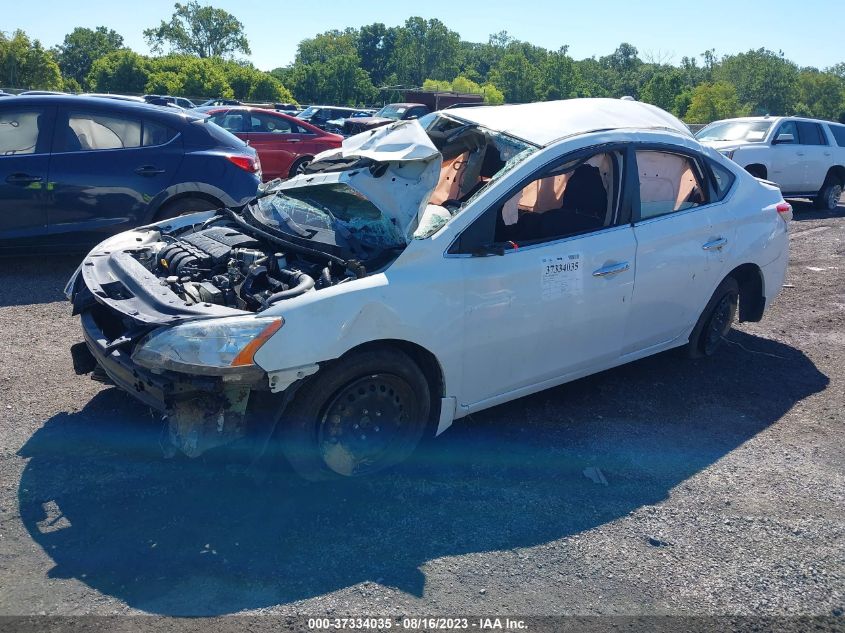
pixel 285 144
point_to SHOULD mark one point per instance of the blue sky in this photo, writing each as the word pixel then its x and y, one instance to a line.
pixel 662 30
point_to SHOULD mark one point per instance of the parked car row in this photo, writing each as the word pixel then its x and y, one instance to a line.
pixel 804 157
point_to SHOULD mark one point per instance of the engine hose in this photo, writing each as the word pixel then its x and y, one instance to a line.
pixel 303 282
pixel 304 250
pixel 326 277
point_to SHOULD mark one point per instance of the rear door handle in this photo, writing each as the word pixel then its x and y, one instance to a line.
pixel 293 140
pixel 611 269
pixel 22 179
pixel 715 245
pixel 799 153
pixel 148 170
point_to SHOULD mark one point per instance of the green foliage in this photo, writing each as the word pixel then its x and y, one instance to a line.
pixel 199 30
pixel 766 82
pixel 491 94
pixel 820 95
pixel 81 47
pixel 24 63
pixel 709 102
pixel 425 49
pixel 120 71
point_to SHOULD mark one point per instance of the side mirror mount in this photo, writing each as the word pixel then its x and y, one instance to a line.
pixel 784 137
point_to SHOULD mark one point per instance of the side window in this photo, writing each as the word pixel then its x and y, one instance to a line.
pixel 723 179
pixel 575 198
pixel 787 128
pixel 268 124
pixel 19 131
pixel 229 121
pixel 94 131
pixel 839 134
pixel 810 133
pixel 668 183
pixel 156 133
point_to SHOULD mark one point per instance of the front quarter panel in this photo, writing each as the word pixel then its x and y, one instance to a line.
pixel 419 299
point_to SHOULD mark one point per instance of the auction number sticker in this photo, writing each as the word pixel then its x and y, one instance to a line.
pixel 561 275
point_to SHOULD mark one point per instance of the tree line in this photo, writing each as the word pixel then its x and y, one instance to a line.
pixel 196 54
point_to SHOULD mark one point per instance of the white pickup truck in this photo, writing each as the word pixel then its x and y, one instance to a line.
pixel 804 157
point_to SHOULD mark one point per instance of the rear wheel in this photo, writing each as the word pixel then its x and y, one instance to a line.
pixel 299 167
pixel 183 206
pixel 715 321
pixel 358 416
pixel 829 194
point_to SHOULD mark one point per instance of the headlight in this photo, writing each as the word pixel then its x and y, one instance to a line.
pixel 209 346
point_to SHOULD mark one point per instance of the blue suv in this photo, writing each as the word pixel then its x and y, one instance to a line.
pixel 75 169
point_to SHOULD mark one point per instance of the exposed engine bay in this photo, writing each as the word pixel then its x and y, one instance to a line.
pixel 223 265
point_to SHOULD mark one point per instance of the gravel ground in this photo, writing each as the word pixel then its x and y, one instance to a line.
pixel 724 489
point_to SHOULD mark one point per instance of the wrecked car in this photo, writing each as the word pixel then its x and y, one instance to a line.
pixel 427 270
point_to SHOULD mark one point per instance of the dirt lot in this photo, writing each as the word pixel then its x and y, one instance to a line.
pixel 725 487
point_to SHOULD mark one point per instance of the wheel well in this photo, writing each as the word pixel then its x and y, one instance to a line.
pixel 838 172
pixel 425 360
pixel 198 195
pixel 751 298
pixel 756 169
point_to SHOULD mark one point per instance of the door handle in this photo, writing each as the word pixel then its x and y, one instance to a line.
pixel 22 179
pixel 611 269
pixel 799 153
pixel 148 170
pixel 715 245
pixel 293 140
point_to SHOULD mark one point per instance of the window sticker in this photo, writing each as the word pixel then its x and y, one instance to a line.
pixel 560 276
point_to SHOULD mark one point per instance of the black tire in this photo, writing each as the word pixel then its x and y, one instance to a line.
pixel 829 194
pixel 359 415
pixel 183 206
pixel 715 321
pixel 299 166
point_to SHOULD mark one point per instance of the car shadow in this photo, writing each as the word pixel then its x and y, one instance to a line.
pixel 805 210
pixel 184 537
pixel 35 279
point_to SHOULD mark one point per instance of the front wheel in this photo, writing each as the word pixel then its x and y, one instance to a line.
pixel 360 415
pixel 715 321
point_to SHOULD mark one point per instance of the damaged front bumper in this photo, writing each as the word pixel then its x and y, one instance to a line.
pixel 202 412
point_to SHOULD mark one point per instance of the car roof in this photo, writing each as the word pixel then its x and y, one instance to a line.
pixel 545 122
pixel 134 107
pixel 776 118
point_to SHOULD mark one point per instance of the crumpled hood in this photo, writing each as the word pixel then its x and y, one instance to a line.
pixel 402 190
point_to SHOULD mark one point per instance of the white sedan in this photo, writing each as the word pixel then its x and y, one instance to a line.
pixel 428 270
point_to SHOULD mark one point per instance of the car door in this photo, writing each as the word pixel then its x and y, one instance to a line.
pixel 25 136
pixel 682 246
pixel 787 158
pixel 816 155
pixel 107 166
pixel 277 141
pixel 547 299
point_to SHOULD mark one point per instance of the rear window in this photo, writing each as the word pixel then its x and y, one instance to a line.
pixel 220 135
pixel 155 133
pixel 839 134
pixel 722 179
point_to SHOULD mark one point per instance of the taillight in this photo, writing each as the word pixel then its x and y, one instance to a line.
pixel 783 207
pixel 247 163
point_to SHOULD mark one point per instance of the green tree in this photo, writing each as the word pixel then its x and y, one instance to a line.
pixel 199 30
pixel 663 87
pixel 556 76
pixel 623 71
pixel 120 71
pixel 766 82
pixel 516 77
pixel 713 101
pixel 81 47
pixel 425 49
pixel 821 95
pixel 24 63
pixel 376 48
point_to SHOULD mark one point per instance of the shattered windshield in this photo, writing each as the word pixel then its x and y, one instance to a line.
pixel 328 207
